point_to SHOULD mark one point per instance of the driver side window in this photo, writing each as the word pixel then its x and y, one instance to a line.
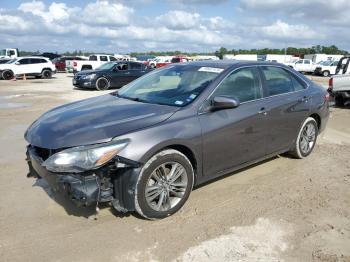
pixel 242 84
pixel 122 67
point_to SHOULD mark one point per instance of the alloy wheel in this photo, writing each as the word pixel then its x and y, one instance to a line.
pixel 166 186
pixel 307 138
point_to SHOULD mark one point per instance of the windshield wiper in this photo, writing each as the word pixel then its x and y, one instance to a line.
pixel 129 98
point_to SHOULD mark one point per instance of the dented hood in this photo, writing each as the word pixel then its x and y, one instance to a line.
pixel 94 120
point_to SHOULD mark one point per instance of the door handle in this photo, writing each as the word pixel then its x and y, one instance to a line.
pixel 304 99
pixel 262 111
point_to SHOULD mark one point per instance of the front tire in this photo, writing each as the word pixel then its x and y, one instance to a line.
pixel 164 184
pixel 326 73
pixel 306 139
pixel 102 84
pixel 7 75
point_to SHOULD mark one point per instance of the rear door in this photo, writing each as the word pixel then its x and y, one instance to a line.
pixel 39 64
pixel 287 105
pixel 136 70
pixel 120 74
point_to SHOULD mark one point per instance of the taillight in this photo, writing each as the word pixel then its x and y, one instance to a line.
pixel 326 97
pixel 75 63
pixel 330 83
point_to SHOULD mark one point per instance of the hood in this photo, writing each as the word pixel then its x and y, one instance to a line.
pixel 94 120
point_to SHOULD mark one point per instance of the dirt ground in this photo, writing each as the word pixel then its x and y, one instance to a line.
pixel 280 210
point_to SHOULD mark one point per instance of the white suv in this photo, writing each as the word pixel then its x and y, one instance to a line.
pixel 30 66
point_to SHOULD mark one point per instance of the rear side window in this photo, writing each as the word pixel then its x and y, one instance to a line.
pixel 279 81
pixel 175 60
pixel 112 58
pixel 135 66
pixel 242 84
pixel 103 58
pixel 93 58
pixel 307 62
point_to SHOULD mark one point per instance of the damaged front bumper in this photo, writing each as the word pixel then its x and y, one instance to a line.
pixel 114 182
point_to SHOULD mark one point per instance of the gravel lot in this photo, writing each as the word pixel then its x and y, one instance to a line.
pixel 280 210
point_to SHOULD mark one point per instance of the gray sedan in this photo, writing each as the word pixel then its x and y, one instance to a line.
pixel 146 146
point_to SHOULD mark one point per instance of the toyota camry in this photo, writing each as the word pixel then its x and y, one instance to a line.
pixel 145 147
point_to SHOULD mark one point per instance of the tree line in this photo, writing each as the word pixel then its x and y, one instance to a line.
pixel 318 49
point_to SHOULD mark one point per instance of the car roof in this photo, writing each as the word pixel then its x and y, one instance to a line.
pixel 41 57
pixel 230 63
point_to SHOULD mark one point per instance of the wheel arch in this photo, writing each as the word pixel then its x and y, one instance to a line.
pixel 46 68
pixel 184 149
pixel 318 120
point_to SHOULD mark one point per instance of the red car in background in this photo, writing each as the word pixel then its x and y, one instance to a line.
pixel 176 59
pixel 60 62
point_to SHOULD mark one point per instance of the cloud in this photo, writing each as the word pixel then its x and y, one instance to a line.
pixel 282 30
pixel 324 11
pixel 120 26
pixel 179 20
pixel 106 13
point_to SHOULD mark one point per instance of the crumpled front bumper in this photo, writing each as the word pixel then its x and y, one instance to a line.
pixel 81 190
pixel 89 188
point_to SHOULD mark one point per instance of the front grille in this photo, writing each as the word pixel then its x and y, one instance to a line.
pixel 45 153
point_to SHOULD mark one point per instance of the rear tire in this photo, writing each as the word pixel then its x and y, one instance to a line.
pixel 102 84
pixel 164 184
pixel 46 74
pixel 306 139
pixel 7 75
pixel 326 73
pixel 339 101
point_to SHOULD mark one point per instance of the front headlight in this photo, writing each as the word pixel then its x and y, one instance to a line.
pixel 83 158
pixel 89 77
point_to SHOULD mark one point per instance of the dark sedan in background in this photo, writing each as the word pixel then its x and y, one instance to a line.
pixel 146 146
pixel 110 75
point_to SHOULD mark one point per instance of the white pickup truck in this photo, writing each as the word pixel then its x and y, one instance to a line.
pixel 91 64
pixel 303 65
pixel 326 68
pixel 339 84
pixel 9 53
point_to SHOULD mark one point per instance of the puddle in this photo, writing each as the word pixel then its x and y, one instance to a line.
pixel 13 105
pixel 13 96
pixel 5 105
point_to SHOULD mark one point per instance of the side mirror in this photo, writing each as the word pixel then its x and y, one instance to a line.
pixel 224 102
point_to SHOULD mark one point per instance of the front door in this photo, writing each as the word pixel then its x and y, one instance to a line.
pixel 233 137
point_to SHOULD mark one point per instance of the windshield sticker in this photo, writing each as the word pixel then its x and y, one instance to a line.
pixel 193 96
pixel 211 69
pixel 178 102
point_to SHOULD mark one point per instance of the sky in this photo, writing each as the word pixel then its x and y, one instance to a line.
pixel 123 26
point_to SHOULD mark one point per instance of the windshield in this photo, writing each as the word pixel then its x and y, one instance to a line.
pixel 327 63
pixel 3 52
pixel 11 61
pixel 106 66
pixel 175 86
